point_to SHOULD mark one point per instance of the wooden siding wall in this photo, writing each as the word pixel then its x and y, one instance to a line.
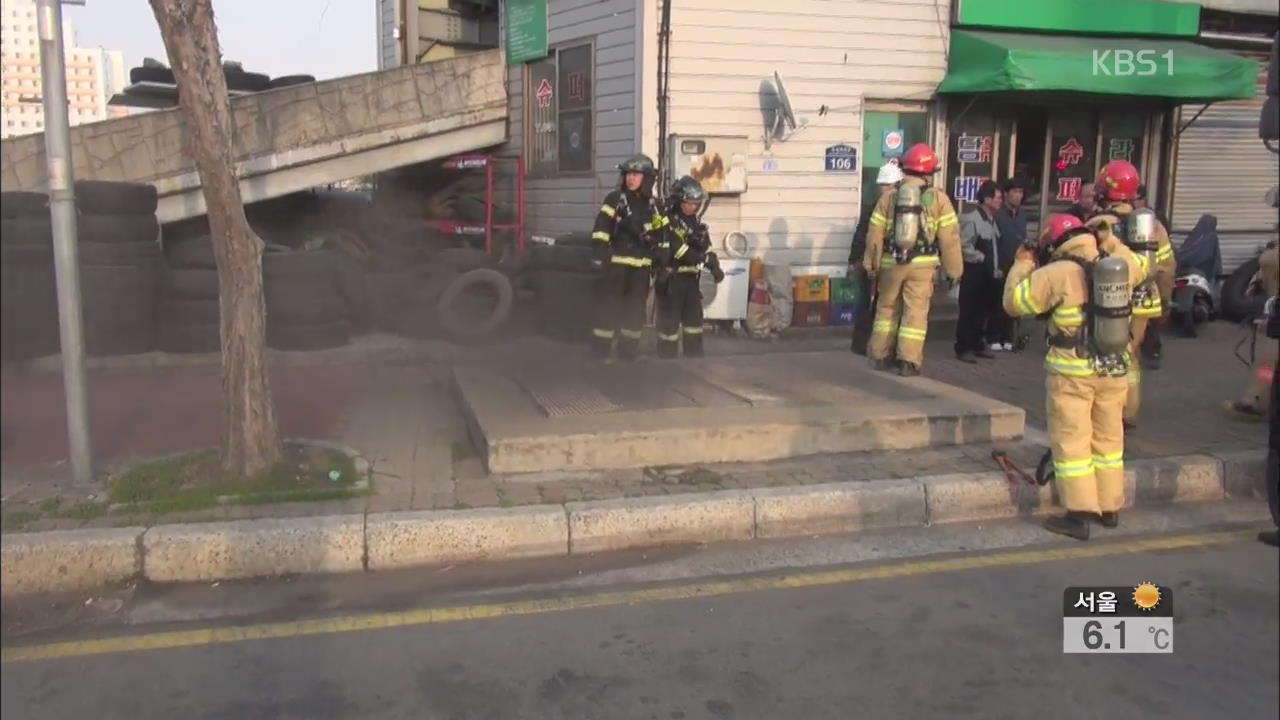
pixel 569 204
pixel 829 52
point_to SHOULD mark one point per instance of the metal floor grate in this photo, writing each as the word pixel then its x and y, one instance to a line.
pixel 560 399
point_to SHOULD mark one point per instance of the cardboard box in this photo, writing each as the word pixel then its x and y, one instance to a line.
pixel 811 314
pixel 812 289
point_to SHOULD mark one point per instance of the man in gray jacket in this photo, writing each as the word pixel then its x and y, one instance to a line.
pixel 980 244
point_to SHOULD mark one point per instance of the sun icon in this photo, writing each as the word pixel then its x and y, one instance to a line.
pixel 1146 596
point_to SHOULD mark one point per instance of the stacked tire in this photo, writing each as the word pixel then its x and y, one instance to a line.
pixel 188 317
pixel 28 293
pixel 306 305
pixel 119 249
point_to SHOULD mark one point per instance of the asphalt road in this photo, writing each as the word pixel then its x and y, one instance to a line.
pixel 901 633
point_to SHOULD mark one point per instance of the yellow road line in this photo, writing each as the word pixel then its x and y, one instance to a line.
pixel 433 616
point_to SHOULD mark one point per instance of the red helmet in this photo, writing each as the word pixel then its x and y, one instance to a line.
pixel 1118 180
pixel 920 160
pixel 1059 228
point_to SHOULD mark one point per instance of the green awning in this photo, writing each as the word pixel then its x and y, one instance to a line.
pixel 983 62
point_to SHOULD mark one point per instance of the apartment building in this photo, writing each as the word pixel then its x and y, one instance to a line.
pixel 93 74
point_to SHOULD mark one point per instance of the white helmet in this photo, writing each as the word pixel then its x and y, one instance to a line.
pixel 890 174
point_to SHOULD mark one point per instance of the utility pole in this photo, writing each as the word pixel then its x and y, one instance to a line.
pixel 62 212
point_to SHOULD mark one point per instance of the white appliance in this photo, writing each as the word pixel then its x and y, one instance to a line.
pixel 728 300
pixel 719 162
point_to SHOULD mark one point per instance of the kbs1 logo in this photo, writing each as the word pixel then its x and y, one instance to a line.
pixel 1129 63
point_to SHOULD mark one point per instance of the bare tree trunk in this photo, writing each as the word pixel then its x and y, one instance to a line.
pixel 250 439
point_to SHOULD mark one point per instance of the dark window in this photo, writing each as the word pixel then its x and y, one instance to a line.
pixel 559 101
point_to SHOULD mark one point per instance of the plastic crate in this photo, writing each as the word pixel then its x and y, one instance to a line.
pixel 844 313
pixel 812 289
pixel 846 290
pixel 811 314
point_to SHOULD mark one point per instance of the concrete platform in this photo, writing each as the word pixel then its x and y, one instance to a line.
pixel 577 415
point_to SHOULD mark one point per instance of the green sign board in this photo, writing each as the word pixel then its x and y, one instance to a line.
pixel 1100 17
pixel 526 30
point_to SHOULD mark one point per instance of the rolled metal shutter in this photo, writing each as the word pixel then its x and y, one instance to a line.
pixel 1223 169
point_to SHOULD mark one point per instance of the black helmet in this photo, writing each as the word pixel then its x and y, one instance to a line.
pixel 637 163
pixel 686 189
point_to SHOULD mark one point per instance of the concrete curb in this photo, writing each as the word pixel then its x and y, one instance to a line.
pixel 83 559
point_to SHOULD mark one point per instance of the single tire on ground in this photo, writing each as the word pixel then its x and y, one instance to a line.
pixel 23 204
pixel 119 309
pixel 476 303
pixel 116 198
pixel 26 231
pixel 99 228
pixel 189 284
pixel 134 253
pixel 289 80
pixel 418 314
pixel 151 74
pixel 187 339
pixel 192 252
pixel 308 336
pixel 1237 302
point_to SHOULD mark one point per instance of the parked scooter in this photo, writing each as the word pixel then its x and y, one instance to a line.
pixel 1195 285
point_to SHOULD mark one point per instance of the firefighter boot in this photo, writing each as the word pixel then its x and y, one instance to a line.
pixel 908 369
pixel 1074 524
pixel 1109 520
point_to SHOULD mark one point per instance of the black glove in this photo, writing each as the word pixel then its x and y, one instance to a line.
pixel 713 264
pixel 600 256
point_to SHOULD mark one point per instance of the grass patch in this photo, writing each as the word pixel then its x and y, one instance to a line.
pixel 18 520
pixel 194 481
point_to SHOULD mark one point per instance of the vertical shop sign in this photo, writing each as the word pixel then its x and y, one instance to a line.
pixel 966 187
pixel 973 149
pixel 1120 149
pixel 1069 189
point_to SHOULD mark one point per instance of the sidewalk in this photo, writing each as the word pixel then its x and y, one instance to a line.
pixel 434 502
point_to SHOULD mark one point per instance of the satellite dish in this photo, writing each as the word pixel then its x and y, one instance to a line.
pixel 785 111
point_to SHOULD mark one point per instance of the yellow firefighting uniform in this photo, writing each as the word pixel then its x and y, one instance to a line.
pixel 1084 408
pixel 1147 306
pixel 905 281
pixel 1258 394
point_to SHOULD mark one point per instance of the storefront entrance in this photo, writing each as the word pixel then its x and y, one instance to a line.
pixel 1054 150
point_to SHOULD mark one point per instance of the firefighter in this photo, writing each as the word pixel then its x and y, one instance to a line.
pixel 1257 396
pixel 1087 301
pixel 909 229
pixel 886 180
pixel 1116 220
pixel 627 230
pixel 688 248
